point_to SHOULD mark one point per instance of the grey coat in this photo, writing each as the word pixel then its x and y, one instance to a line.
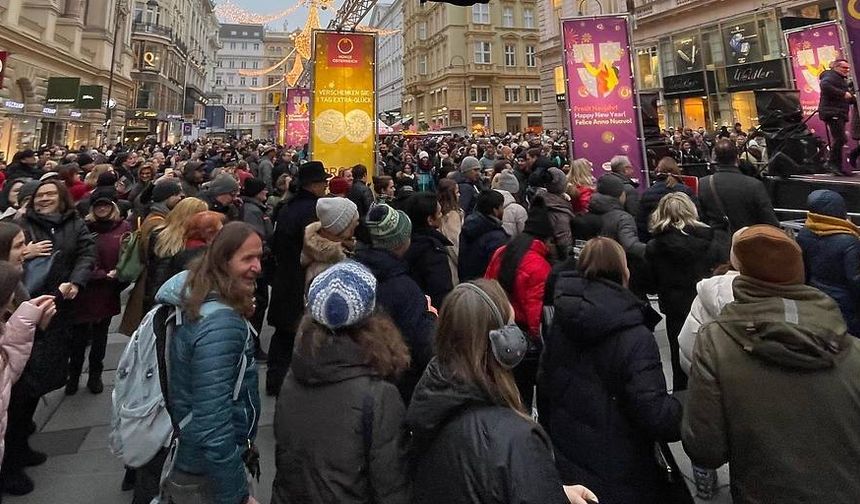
pixel 255 214
pixel 616 223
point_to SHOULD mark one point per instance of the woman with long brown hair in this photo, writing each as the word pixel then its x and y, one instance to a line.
pixel 451 224
pixel 345 442
pixel 473 441
pixel 602 393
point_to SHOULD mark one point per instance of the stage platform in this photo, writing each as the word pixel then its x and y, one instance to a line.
pixel 789 194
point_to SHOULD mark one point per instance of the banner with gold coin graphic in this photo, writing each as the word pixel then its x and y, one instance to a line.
pixel 601 93
pixel 343 100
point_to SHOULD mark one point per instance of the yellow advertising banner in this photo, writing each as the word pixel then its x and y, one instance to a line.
pixel 282 124
pixel 343 100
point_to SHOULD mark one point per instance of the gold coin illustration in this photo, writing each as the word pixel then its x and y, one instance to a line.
pixel 359 126
pixel 329 126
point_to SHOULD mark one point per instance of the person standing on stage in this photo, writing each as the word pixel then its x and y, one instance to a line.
pixel 836 98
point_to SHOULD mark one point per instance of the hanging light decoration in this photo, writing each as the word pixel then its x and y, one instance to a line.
pixel 293 75
pixel 229 12
pixel 303 41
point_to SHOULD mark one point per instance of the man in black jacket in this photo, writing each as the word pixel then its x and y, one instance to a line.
pixel 24 166
pixel 362 196
pixel 833 106
pixel 288 285
pixel 731 200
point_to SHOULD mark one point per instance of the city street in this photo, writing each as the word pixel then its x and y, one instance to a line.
pixel 81 469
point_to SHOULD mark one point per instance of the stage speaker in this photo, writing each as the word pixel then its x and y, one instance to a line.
pixel 655 145
pixel 778 109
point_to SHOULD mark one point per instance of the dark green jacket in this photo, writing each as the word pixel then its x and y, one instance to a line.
pixel 775 392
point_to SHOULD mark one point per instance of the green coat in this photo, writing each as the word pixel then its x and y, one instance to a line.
pixel 775 392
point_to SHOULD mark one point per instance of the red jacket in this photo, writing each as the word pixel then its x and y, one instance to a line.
pixel 580 205
pixel 527 297
pixel 78 190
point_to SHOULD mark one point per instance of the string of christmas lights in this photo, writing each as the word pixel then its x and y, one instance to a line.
pixel 229 12
pixel 293 75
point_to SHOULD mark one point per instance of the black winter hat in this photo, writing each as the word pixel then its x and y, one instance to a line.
pixel 84 159
pixel 253 187
pixel 107 179
pixel 103 194
pixel 165 189
pixel 537 223
pixel 312 171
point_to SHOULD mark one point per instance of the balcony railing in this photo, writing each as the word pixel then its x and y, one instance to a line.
pixel 152 29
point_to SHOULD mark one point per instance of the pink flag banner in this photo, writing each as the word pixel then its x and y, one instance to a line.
pixel 811 50
pixel 601 92
pixel 298 116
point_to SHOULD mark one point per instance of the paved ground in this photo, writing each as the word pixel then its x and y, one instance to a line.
pixel 81 469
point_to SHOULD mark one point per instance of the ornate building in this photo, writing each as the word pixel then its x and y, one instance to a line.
pixel 472 67
pixel 242 49
pixel 389 60
pixel 57 38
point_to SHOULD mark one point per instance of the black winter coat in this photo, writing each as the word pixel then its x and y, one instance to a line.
pixel 428 264
pixel 832 101
pixel 602 391
pixel 469 450
pixel 288 286
pixel 678 261
pixel 346 443
pixel 403 300
pixel 19 170
pixel 480 237
pixel 832 264
pixel 631 204
pixel 744 199
pixel 649 201
pixel 72 242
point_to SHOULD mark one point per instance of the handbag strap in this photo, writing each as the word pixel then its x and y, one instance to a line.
pixel 712 185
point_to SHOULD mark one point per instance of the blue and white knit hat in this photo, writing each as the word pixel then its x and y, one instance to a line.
pixel 342 295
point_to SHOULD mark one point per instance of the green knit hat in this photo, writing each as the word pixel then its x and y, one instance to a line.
pixel 389 228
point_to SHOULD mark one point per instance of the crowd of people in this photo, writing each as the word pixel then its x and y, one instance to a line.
pixel 467 321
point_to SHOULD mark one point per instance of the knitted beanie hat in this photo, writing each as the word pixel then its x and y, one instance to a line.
pixel 223 184
pixel 469 163
pixel 342 295
pixel 389 228
pixel 253 187
pixel 336 214
pixel 766 253
pixel 164 189
pixel 558 183
pixel 507 181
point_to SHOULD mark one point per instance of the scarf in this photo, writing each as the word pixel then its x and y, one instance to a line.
pixel 825 225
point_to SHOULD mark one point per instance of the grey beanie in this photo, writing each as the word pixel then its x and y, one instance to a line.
pixel 336 214
pixel 507 181
pixel 469 163
pixel 223 184
pixel 558 183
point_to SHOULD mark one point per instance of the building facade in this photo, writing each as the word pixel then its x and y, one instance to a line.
pixel 242 48
pixel 472 68
pixel 389 60
pixel 697 56
pixel 174 44
pixel 58 38
pixel 277 46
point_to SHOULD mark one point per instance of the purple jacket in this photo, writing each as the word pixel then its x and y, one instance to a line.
pixel 101 295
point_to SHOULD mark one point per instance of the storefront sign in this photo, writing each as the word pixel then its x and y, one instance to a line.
pixel 684 84
pixel 202 124
pixel 601 91
pixel 761 75
pixel 174 117
pixel 144 114
pixel 11 104
pixel 63 89
pixel 74 114
pixel 742 43
pixel 297 117
pixel 811 50
pixel 186 129
pixel 343 102
pixel 49 111
pixel 150 61
pixel 90 97
pixel 559 83
pixel 3 56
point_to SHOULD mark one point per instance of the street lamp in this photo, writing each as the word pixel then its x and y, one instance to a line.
pixel 120 14
pixel 466 118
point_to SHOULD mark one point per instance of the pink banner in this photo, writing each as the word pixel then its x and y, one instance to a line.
pixel 298 116
pixel 811 50
pixel 601 92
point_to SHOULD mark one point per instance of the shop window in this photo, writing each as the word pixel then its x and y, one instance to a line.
pixel 513 124
pixel 742 42
pixel 744 109
pixel 688 53
pixel 649 69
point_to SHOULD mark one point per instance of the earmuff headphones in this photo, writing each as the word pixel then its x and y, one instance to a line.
pixel 508 342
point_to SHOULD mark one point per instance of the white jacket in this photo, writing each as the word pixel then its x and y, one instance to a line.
pixel 514 218
pixel 713 295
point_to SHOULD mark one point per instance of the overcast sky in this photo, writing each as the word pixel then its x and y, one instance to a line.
pixel 295 20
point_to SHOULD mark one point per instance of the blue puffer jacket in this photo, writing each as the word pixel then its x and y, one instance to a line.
pixel 205 361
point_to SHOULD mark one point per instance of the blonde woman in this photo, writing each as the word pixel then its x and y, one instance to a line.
pixel 92 178
pixel 167 241
pixel 679 254
pixel 466 412
pixel 581 185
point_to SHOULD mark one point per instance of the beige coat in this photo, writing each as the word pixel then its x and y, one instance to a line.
pixel 452 223
pixel 319 253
